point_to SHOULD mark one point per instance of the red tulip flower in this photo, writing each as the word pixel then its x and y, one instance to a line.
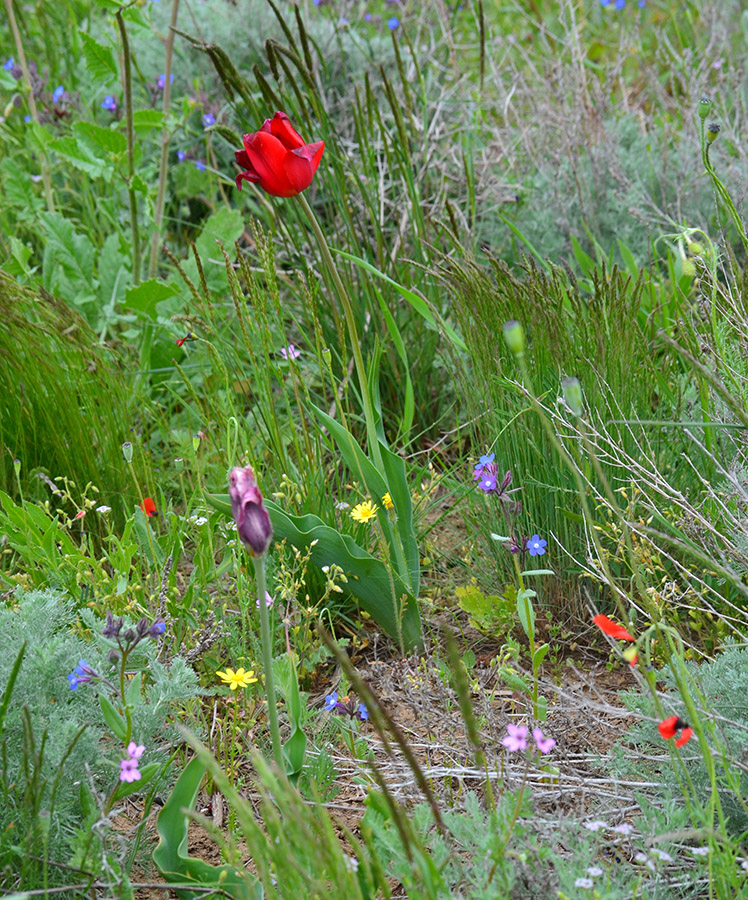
pixel 148 507
pixel 669 727
pixel 276 158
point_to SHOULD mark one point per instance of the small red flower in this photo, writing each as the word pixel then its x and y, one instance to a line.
pixel 668 728
pixel 612 629
pixel 276 158
pixel 149 507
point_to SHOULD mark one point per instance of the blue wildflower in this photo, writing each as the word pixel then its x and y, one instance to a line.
pixel 620 4
pixel 162 81
pixel 80 674
pixel 209 119
pixel 109 103
pixel 331 701
pixel 199 164
pixel 181 155
pixel 27 118
pixel 487 482
pixel 485 460
pixel 363 712
pixel 58 94
pixel 393 23
pixel 367 17
pixel 9 63
pixel 536 545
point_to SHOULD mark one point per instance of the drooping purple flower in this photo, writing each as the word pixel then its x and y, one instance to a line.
pixel 536 545
pixel 516 739
pixel 363 712
pixel 209 119
pixel 485 460
pixel 109 103
pixel 251 517
pixel 81 674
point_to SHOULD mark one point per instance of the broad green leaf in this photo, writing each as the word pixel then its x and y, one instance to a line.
pixel 102 142
pixel 526 611
pixel 144 298
pixel 539 656
pixel 172 856
pixel 79 155
pixel 145 120
pixel 68 260
pixel 538 572
pixel 113 719
pixel 100 60
pixel 513 680
pixel 368 578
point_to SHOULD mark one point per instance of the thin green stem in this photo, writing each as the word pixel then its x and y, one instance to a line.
pixel 46 179
pixel 130 133
pixel 165 138
pixel 267 661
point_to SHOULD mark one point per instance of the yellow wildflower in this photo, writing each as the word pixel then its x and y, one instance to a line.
pixel 364 512
pixel 387 500
pixel 238 679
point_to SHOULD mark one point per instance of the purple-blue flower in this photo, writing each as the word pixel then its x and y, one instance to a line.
pixel 604 2
pixel 363 712
pixel 199 164
pixel 9 63
pixel 181 154
pixel 27 118
pixel 209 119
pixel 367 17
pixel 162 80
pixel 109 103
pixel 487 482
pixel 393 23
pixel 331 701
pixel 58 93
pixel 81 674
pixel 485 460
pixel 620 4
pixel 536 545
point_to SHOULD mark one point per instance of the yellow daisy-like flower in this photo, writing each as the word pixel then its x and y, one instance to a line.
pixel 364 512
pixel 238 679
pixel 387 500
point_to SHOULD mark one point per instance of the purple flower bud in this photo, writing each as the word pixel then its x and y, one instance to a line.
pixel 113 657
pixel 251 517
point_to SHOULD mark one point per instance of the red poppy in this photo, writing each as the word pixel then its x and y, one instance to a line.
pixel 148 507
pixel 276 158
pixel 669 727
pixel 612 629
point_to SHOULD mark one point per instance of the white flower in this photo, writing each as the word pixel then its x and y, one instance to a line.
pixel 594 871
pixel 198 520
pixel 641 857
pixel 596 825
pixel 103 509
pixel 624 828
pixel 700 851
pixel 351 863
pixel 744 865
pixel 583 883
pixel 342 505
pixel 660 854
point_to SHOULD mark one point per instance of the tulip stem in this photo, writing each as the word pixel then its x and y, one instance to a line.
pixel 130 133
pixel 352 331
pixel 267 660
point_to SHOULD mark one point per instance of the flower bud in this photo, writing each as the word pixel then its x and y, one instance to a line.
pixel 705 104
pixel 687 268
pixel 695 249
pixel 711 132
pixel 573 395
pixel 113 657
pixel 514 335
pixel 127 451
pixel 251 517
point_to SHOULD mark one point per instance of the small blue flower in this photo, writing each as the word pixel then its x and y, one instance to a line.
pixel 162 81
pixel 199 164
pixel 109 103
pixel 331 701
pixel 80 674
pixel 536 545
pixel 73 679
pixel 487 482
pixel 158 628
pixel 209 119
pixel 485 460
pixel 343 21
pixel 58 94
pixel 9 63
pixel 363 712
pixel 620 4
pixel 367 17
pixel 604 2
pixel 27 118
pixel 393 23
pixel 181 155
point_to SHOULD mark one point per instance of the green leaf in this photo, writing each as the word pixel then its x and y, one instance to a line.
pixel 514 681
pixel 171 854
pixel 144 298
pixel 368 578
pixel 100 60
pixel 538 572
pixel 526 612
pixel 417 302
pixel 102 142
pixel 68 260
pixel 145 120
pixel 539 656
pixel 79 155
pixel 133 692
pixel 114 720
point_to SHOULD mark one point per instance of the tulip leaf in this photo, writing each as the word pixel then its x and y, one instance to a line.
pixel 368 578
pixel 171 856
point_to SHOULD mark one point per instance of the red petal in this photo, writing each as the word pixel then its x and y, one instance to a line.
pixel 281 127
pixel 148 506
pixel 268 158
pixel 246 176
pixel 667 727
pixel 612 629
pixel 685 737
pixel 301 164
pixel 242 157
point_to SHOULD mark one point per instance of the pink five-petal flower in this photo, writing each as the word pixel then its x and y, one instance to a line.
pixel 543 743
pixel 135 751
pixel 250 515
pixel 516 739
